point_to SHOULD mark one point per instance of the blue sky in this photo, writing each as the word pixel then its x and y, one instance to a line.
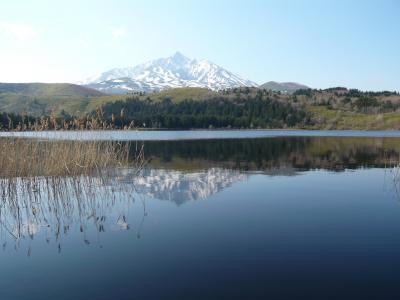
pixel 319 43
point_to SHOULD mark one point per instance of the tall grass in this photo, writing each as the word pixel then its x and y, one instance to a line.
pixel 53 184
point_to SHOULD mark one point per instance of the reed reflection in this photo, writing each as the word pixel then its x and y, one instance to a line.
pixel 57 206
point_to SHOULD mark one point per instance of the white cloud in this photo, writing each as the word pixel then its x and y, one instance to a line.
pixel 19 31
pixel 118 32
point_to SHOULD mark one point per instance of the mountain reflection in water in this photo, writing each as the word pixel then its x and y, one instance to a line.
pixel 179 187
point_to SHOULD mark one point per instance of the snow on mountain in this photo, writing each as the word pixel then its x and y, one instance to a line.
pixel 171 72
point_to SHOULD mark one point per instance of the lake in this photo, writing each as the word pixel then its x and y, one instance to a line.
pixel 216 215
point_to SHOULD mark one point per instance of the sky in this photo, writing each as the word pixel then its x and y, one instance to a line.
pixel 320 43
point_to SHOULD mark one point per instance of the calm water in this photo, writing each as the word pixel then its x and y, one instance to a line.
pixel 288 217
pixel 197 134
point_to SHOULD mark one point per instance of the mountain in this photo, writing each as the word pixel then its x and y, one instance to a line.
pixel 164 73
pixel 48 90
pixel 285 87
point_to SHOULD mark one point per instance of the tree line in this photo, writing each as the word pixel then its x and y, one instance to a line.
pixel 220 112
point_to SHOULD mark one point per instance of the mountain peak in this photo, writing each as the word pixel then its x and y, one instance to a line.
pixel 179 56
pixel 171 72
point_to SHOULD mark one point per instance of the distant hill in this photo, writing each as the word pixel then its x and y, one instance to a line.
pixel 49 90
pixel 43 98
pixel 285 87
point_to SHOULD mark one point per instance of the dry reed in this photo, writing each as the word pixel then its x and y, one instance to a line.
pixel 32 157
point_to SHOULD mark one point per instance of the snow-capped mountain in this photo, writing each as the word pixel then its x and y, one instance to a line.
pixel 171 72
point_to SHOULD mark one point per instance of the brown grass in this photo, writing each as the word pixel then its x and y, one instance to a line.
pixel 33 157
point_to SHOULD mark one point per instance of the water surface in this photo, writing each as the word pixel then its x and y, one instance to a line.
pixel 288 217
